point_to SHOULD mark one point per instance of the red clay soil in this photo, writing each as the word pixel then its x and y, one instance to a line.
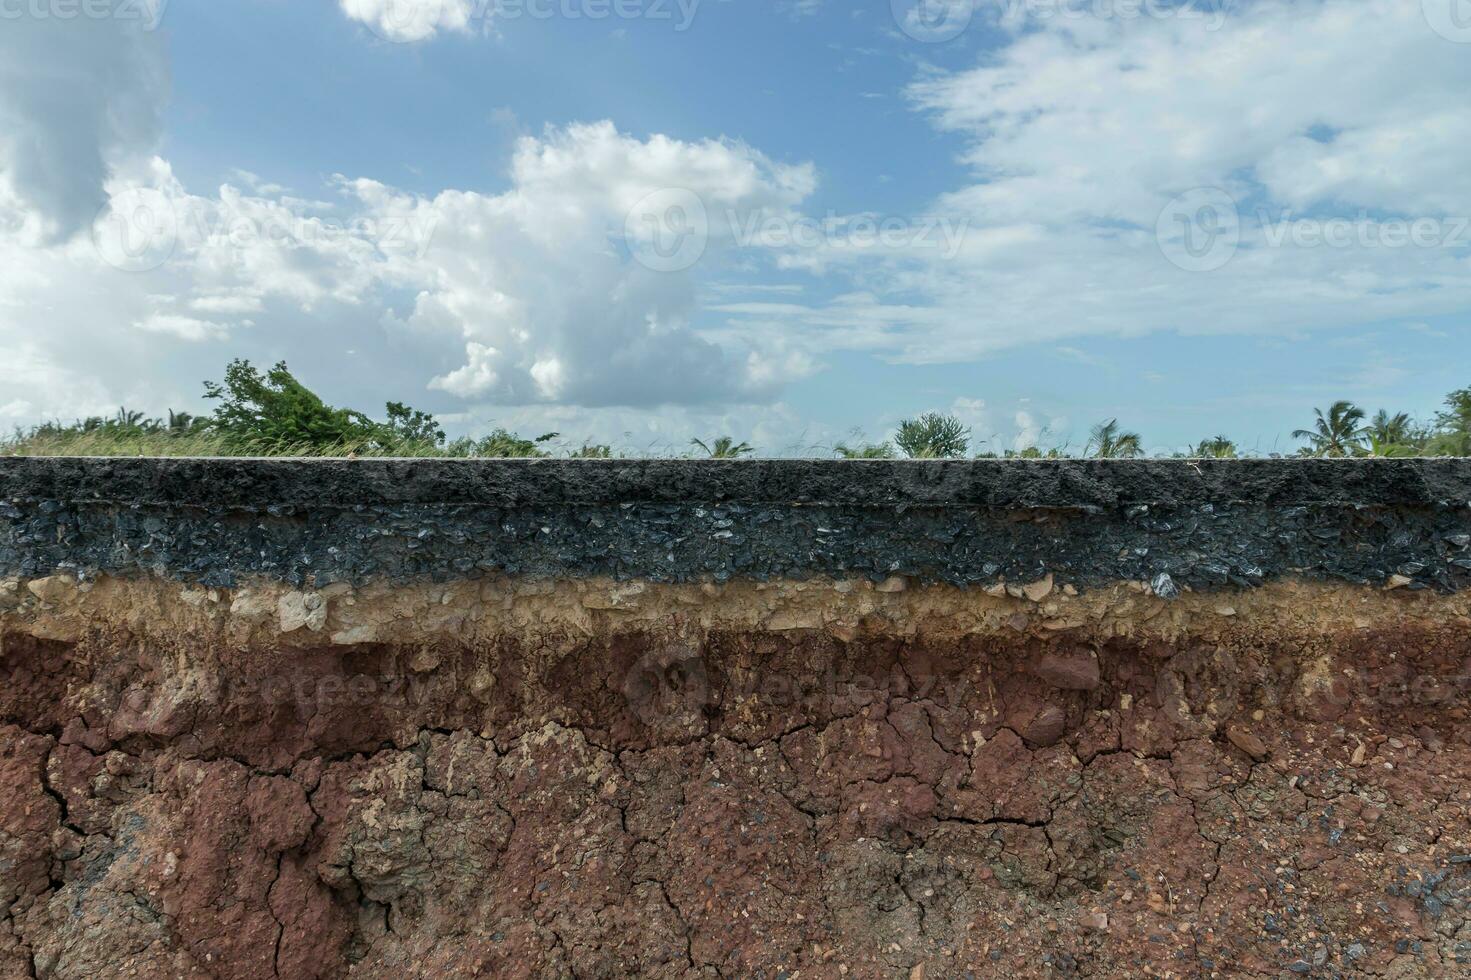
pixel 849 802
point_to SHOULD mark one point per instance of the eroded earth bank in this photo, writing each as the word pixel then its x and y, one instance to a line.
pixel 777 719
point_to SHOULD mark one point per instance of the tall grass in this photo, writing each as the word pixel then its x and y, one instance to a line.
pixel 206 443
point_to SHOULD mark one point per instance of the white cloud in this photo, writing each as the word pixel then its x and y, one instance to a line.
pixel 182 327
pixel 529 296
pixel 410 20
pixel 1080 130
pixel 801 8
pixel 537 286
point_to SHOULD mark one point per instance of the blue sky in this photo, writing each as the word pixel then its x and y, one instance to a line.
pixel 422 200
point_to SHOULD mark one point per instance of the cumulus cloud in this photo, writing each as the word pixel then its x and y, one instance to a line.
pixel 80 99
pixel 1080 131
pixel 182 327
pixel 538 285
pixel 526 297
pixel 411 20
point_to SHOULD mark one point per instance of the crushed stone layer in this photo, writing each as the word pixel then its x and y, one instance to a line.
pixel 604 778
pixel 1224 525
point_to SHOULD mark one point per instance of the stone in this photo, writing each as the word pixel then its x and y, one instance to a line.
pixel 1164 586
pixel 424 660
pixel 1247 742
pixel 1039 590
pixel 298 610
pixel 355 635
pixel 892 584
pixel 788 621
pixel 251 605
pixel 1075 671
pixel 1039 725
pixel 54 589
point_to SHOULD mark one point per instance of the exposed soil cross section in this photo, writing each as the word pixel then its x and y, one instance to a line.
pixel 331 719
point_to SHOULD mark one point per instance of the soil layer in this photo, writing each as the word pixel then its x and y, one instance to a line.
pixel 805 777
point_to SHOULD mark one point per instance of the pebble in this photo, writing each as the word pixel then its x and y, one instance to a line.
pixel 1247 742
pixel 1164 586
pixel 1039 590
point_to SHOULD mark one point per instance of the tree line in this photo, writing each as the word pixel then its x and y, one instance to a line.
pixel 272 413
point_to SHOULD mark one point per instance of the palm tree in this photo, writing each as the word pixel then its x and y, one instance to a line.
pixel 1379 448
pixel 1218 447
pixel 724 448
pixel 1390 429
pixel 1336 434
pixel 1107 441
pixel 933 436
pixel 184 421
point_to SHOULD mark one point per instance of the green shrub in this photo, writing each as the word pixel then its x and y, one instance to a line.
pixel 933 436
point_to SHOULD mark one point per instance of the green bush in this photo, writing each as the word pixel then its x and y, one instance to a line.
pixel 933 436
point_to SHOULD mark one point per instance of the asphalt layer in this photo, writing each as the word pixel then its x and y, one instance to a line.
pixel 1209 524
pixel 254 483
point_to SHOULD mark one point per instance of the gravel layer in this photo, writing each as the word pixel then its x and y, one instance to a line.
pixel 1206 524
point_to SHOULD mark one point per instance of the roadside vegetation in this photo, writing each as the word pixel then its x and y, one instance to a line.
pixel 272 413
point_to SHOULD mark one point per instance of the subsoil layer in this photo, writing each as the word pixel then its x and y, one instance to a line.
pixel 838 778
